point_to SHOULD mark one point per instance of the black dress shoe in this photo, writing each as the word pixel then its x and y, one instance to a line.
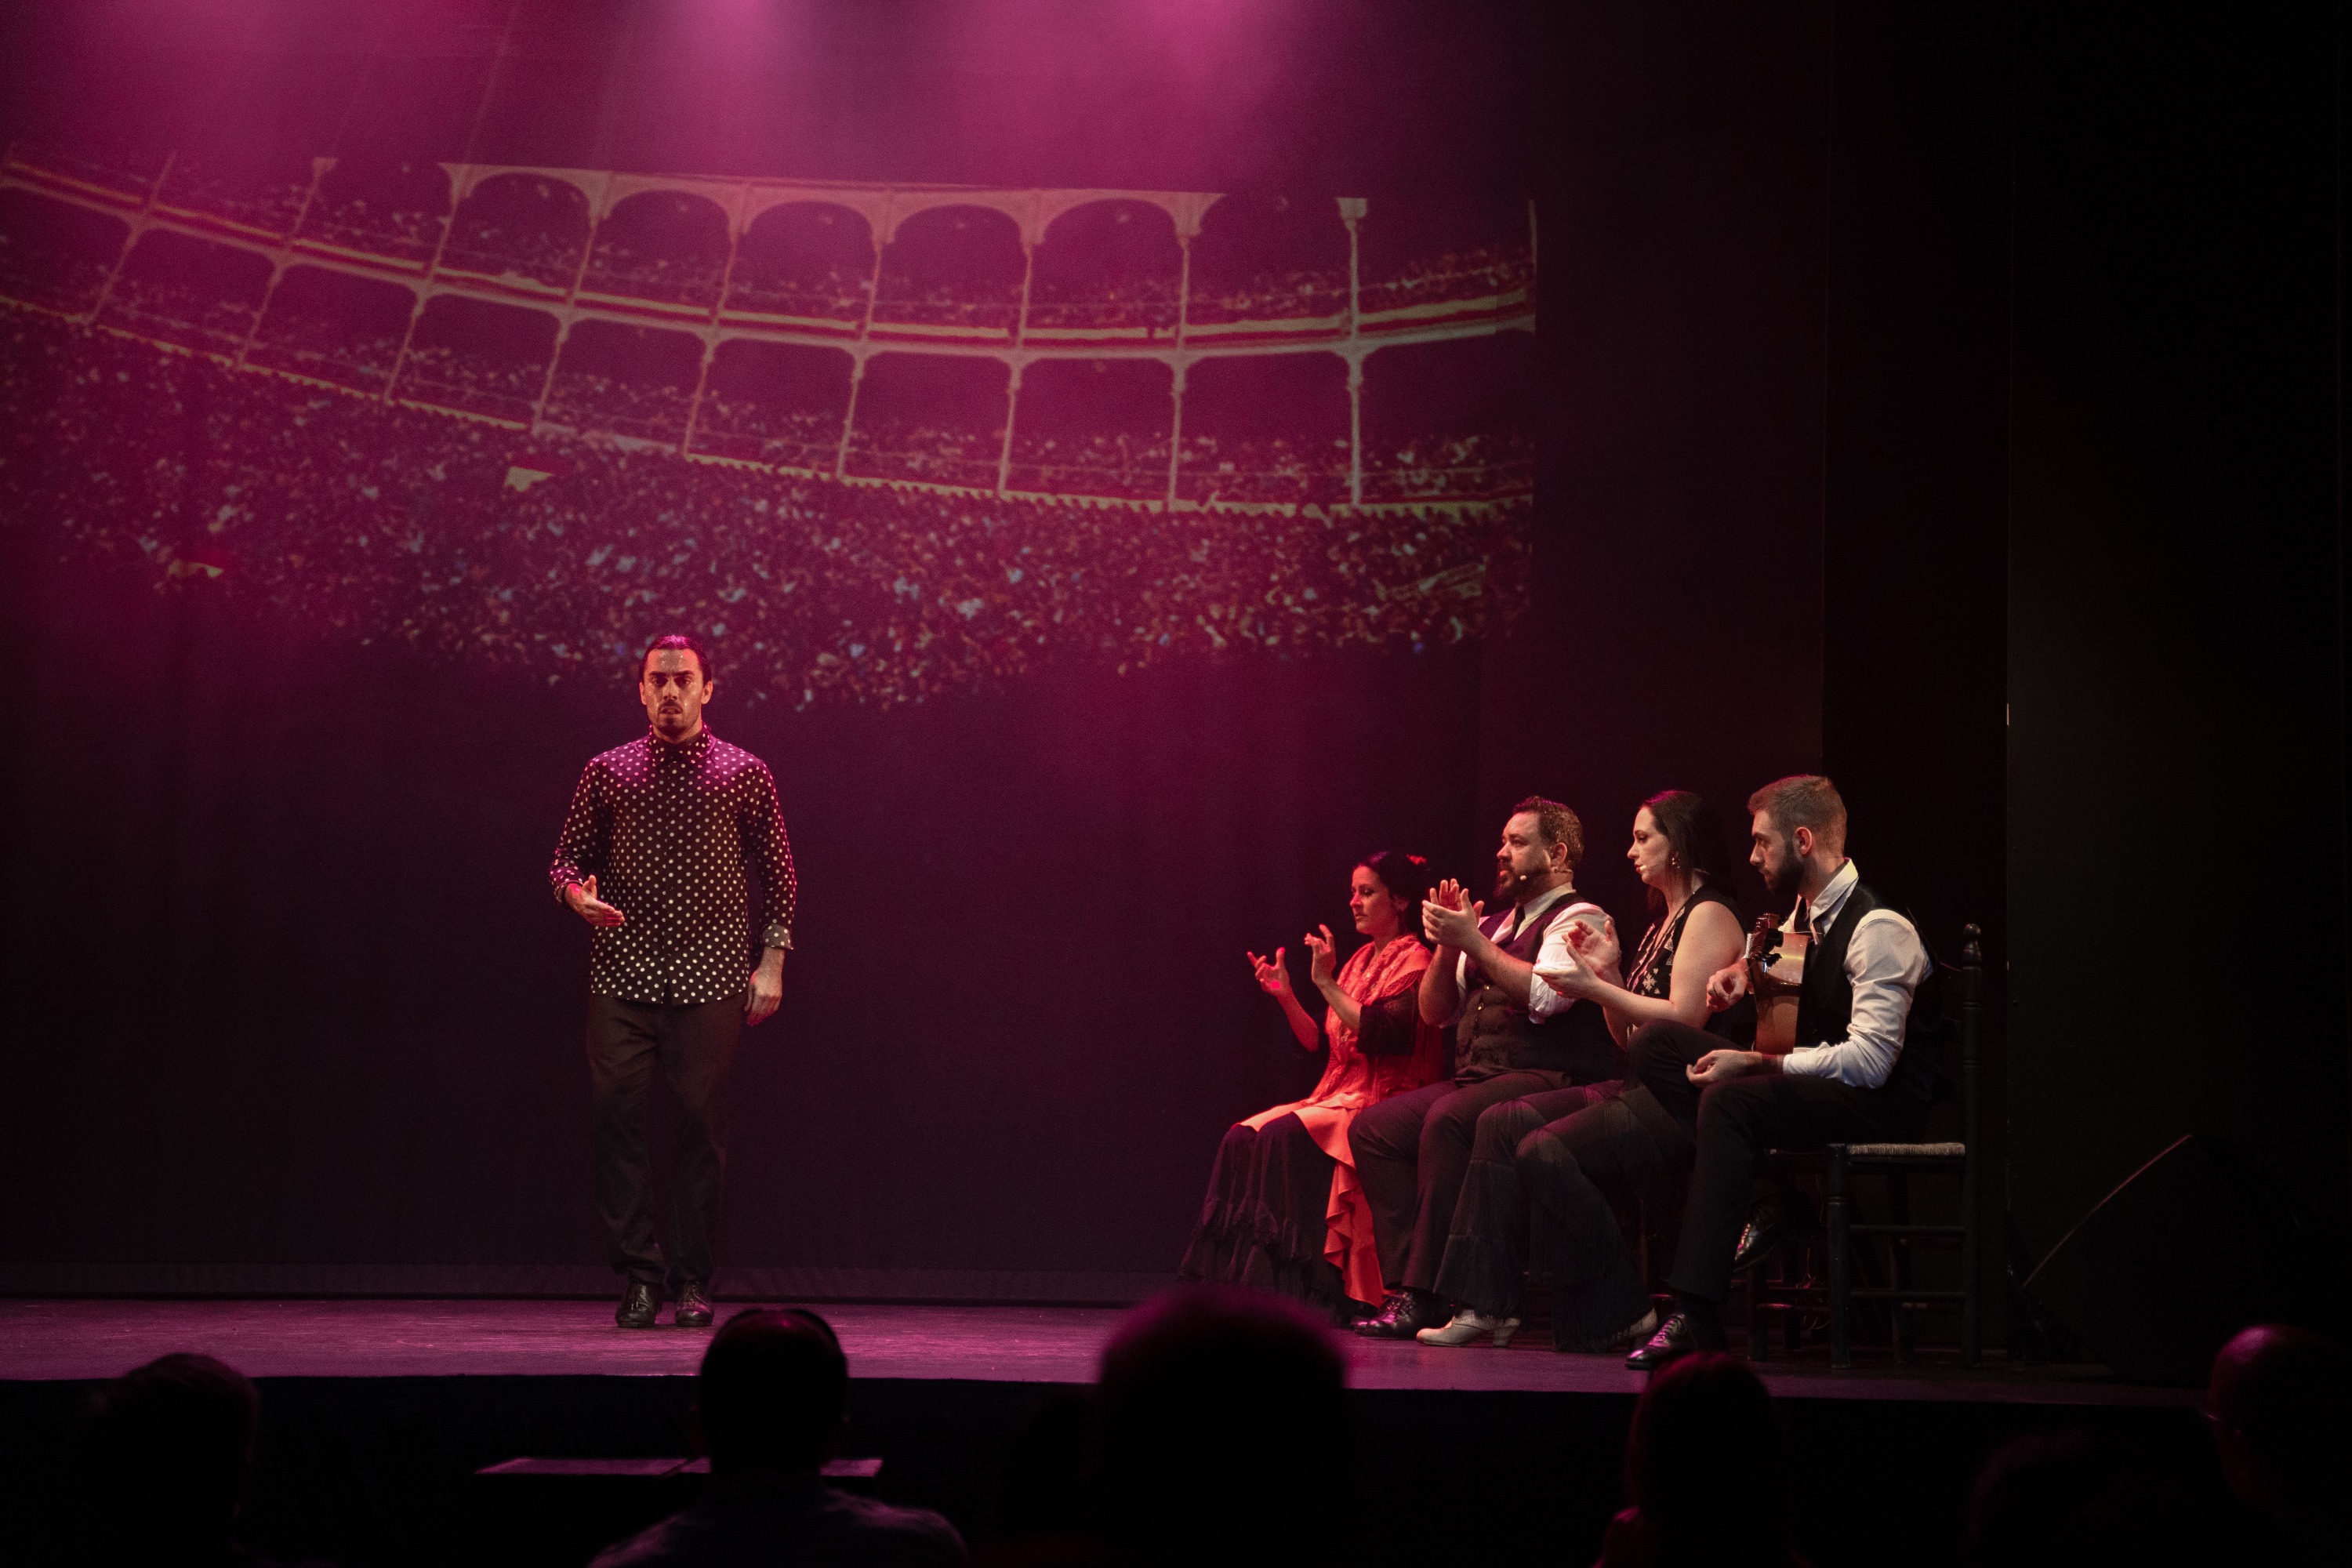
pixel 1404 1314
pixel 693 1307
pixel 1676 1337
pixel 640 1306
pixel 1767 1228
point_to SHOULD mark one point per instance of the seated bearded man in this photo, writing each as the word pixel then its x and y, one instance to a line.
pixel 1514 1035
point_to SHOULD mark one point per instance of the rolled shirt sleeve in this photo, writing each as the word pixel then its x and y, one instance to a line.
pixel 1885 961
pixel 1556 955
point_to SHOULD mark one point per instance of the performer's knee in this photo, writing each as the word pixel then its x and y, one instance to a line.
pixel 1451 1122
pixel 1650 1051
pixel 1541 1150
pixel 1390 1136
pixel 1501 1127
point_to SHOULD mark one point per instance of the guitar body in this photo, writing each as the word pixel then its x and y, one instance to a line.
pixel 1776 970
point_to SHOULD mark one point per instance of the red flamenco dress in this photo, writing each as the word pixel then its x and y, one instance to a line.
pixel 1284 1211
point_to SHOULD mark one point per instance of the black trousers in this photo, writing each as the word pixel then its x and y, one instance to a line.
pixel 1574 1172
pixel 1731 1125
pixel 1413 1151
pixel 694 1045
pixel 1485 1265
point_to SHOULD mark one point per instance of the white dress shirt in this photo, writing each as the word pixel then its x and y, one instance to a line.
pixel 1553 953
pixel 1885 961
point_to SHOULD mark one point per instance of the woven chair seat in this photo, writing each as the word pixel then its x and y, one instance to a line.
pixel 1908 1151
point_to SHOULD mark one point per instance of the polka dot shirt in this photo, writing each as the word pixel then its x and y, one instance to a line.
pixel 670 833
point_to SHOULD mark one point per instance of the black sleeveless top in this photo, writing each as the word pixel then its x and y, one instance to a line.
pixel 1653 963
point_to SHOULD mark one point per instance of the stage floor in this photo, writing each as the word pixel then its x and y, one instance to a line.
pixel 77 1340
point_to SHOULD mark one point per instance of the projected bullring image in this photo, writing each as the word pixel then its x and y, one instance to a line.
pixel 876 442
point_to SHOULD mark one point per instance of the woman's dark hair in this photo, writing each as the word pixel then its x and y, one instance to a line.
pixel 1405 877
pixel 1694 834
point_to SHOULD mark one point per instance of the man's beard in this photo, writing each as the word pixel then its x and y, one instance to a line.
pixel 1783 878
pixel 1510 886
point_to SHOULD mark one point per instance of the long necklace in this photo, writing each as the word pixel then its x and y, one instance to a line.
pixel 1651 943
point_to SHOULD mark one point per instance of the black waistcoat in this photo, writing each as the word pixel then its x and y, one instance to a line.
pixel 1825 1000
pixel 1495 1035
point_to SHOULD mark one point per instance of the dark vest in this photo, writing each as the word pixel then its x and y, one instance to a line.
pixel 1826 1000
pixel 1494 1034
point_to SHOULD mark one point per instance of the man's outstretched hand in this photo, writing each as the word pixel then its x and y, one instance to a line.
pixel 766 989
pixel 582 896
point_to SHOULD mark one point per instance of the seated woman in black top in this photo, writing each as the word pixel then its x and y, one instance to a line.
pixel 1695 929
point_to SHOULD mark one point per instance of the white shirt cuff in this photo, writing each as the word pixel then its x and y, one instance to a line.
pixel 1542 1000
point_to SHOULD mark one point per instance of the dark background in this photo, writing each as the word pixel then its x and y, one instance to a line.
pixel 1947 396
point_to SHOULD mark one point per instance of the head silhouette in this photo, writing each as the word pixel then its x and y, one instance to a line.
pixel 1706 1467
pixel 2276 1408
pixel 1220 1433
pixel 168 1458
pixel 771 1392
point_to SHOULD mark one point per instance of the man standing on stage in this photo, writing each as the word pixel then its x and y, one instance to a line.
pixel 653 856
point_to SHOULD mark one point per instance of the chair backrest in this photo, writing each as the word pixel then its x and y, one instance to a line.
pixel 1947 1017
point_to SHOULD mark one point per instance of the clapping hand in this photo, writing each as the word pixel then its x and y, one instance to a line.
pixel 1448 918
pixel 1596 947
pixel 1318 966
pixel 591 909
pixel 1598 954
pixel 1273 978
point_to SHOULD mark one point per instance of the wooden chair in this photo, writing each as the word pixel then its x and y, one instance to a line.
pixel 1897 1163
pixel 1815 1277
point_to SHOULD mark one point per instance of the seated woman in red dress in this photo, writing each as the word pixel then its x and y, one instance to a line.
pixel 1284 1211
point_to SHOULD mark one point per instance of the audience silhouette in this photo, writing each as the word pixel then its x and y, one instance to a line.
pixel 167 1462
pixel 2055 1497
pixel 1221 1434
pixel 1219 1430
pixel 771 1404
pixel 2276 1406
pixel 1706 1472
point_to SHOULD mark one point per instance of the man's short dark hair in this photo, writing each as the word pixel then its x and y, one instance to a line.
pixel 683 644
pixel 1803 800
pixel 1555 823
pixel 772 1389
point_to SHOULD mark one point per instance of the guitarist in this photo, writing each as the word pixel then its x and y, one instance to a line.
pixel 1847 1080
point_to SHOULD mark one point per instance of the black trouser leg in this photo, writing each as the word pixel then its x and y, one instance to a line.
pixel 697 1049
pixel 1737 1122
pixel 624 1040
pixel 1656 1057
pixel 1444 1159
pixel 1568 1170
pixel 1386 1142
pixel 1485 1265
